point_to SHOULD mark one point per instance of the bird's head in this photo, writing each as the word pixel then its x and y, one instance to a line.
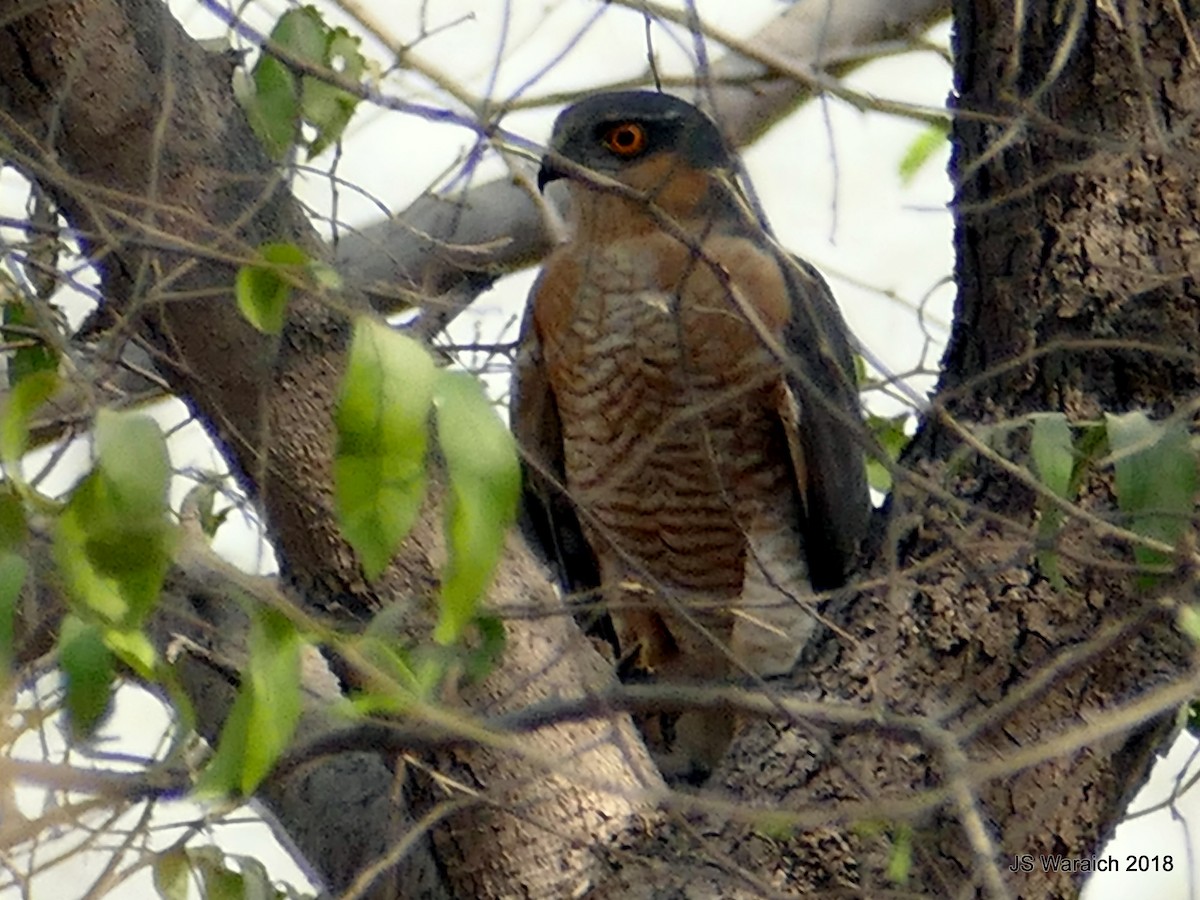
pixel 636 137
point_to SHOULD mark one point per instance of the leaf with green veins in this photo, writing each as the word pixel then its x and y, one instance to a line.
pixel 325 106
pixel 889 431
pixel 919 152
pixel 114 540
pixel 263 289
pixel 382 421
pixel 271 102
pixel 25 361
pixel 100 595
pixel 23 401
pixel 271 99
pixel 265 712
pixel 1156 481
pixel 1054 464
pixel 274 671
pixel 88 666
pixel 484 483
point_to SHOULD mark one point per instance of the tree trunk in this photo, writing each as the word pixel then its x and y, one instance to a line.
pixel 964 706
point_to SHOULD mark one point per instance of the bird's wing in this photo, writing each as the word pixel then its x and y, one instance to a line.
pixel 821 412
pixel 547 518
pixel 821 420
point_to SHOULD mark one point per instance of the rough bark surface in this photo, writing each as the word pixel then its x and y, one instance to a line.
pixel 961 694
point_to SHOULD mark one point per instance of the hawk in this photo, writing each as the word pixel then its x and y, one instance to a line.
pixel 685 399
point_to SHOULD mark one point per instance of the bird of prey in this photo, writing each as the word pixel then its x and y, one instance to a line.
pixel 685 399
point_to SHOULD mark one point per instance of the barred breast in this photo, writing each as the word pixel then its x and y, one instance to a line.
pixel 675 452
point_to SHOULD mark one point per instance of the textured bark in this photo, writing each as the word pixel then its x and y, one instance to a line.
pixel 1076 223
pixel 133 129
pixel 992 713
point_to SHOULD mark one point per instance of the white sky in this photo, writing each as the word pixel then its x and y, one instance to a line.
pixel 827 177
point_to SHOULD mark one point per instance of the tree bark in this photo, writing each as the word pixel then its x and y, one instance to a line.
pixel 965 707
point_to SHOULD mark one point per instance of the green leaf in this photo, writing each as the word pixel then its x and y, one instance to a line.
pixel 889 431
pixel 919 152
pixel 131 455
pixel 1156 480
pixel 483 659
pixel 900 862
pixel 324 275
pixel 223 774
pixel 265 712
pixel 23 401
pixel 263 289
pixel 274 672
pixel 277 99
pixel 13 570
pixel 201 501
pixel 775 825
pixel 218 880
pixel 272 100
pixel 272 105
pixel 114 541
pixel 1188 620
pixel 13 529
pixel 1054 465
pixel 860 370
pixel 100 595
pixel 485 481
pixel 392 689
pixel 325 106
pixel 256 882
pixel 1053 458
pixel 172 871
pixel 1193 718
pixel 382 420
pixel 26 361
pixel 134 649
pixel 88 667
pixel 301 33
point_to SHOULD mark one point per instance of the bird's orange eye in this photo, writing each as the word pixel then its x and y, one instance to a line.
pixel 626 140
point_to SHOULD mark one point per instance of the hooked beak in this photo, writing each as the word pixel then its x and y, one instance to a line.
pixel 548 173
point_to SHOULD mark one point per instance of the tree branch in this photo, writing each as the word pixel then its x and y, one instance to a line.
pixel 441 245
